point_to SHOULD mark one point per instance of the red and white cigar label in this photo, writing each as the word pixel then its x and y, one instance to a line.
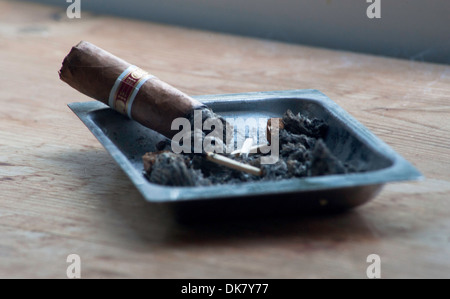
pixel 126 88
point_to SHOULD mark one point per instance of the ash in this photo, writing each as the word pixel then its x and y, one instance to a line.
pixel 303 153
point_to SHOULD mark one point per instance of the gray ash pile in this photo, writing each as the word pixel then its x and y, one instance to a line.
pixel 302 153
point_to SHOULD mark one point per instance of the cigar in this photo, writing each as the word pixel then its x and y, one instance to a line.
pixel 126 88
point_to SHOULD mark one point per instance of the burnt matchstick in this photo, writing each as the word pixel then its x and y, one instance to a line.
pixel 230 163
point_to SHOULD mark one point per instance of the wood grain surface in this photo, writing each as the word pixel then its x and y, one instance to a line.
pixel 61 193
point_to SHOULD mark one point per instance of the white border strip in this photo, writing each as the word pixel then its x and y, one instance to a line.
pixel 135 91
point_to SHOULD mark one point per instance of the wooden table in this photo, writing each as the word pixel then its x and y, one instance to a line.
pixel 61 193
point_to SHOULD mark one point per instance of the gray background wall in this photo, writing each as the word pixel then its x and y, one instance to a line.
pixel 411 29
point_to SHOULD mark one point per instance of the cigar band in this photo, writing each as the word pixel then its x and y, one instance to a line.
pixel 125 89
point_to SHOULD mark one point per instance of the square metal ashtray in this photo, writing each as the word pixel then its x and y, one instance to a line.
pixel 127 141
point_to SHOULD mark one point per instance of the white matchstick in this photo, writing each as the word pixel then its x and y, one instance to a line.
pixel 230 163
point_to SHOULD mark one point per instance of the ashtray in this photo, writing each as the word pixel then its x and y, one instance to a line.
pixel 127 141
